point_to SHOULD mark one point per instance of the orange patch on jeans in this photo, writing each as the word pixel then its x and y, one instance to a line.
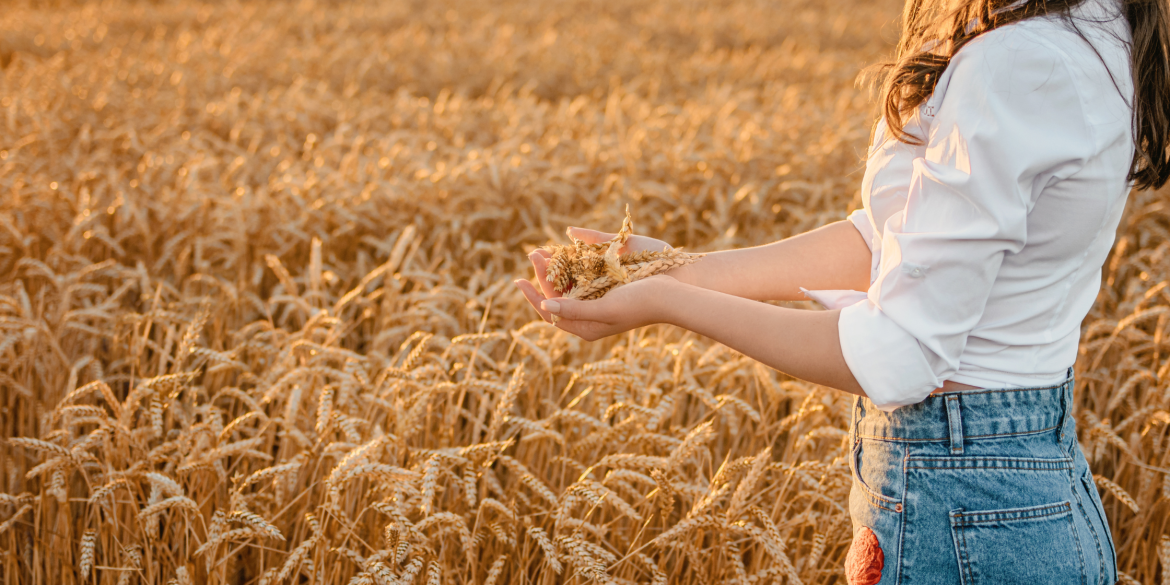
pixel 863 564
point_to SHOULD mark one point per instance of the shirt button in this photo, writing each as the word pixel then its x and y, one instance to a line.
pixel 917 272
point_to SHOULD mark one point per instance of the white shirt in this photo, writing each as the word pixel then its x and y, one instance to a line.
pixel 988 240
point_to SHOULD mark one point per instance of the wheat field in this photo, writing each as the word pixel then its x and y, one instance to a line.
pixel 257 323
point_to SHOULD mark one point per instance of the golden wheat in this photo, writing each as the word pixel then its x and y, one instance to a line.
pixel 588 271
pixel 257 322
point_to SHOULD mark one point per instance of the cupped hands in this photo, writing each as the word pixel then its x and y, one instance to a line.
pixel 626 307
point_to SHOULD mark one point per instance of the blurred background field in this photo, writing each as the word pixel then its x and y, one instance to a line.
pixel 257 322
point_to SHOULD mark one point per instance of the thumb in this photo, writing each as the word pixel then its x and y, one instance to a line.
pixel 575 310
pixel 591 236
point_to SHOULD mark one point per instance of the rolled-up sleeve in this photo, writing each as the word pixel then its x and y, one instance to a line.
pixel 1007 120
pixel 860 220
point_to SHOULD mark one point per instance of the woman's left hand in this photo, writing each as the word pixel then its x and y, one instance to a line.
pixel 626 307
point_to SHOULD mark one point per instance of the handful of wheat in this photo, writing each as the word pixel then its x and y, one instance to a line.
pixel 588 271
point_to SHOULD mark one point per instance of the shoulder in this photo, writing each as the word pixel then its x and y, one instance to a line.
pixel 1017 72
pixel 1021 57
pixel 1044 67
pixel 1085 50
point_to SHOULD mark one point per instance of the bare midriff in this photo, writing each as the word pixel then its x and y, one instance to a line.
pixel 950 386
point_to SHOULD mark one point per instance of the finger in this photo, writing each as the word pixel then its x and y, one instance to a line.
pixel 649 244
pixel 540 264
pixel 575 327
pixel 534 298
pixel 587 330
pixel 591 236
pixel 577 310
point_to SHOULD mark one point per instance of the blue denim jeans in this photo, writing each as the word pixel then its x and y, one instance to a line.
pixel 976 487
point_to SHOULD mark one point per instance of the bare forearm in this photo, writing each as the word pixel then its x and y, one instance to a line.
pixel 833 257
pixel 803 344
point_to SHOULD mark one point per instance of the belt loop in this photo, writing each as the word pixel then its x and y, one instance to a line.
pixel 955 424
pixel 1066 404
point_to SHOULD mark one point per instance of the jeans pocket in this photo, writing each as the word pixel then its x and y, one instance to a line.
pixel 1107 549
pixel 1036 545
pixel 876 472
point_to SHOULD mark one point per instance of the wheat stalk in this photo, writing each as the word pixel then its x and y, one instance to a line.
pixel 588 271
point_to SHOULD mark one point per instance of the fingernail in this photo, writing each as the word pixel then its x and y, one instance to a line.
pixel 551 306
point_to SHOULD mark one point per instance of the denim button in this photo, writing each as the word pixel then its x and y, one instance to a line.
pixel 898 508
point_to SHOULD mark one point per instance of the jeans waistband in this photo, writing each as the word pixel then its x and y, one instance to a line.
pixel 967 414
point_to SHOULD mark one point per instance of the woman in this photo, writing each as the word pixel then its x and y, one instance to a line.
pixel 1011 135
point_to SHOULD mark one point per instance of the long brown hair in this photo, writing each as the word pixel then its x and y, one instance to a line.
pixel 931 36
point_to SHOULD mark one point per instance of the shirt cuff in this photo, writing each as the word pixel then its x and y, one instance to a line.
pixel 860 220
pixel 834 299
pixel 887 361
